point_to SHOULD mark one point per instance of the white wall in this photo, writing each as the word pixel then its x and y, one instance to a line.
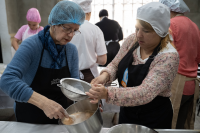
pixel 5 37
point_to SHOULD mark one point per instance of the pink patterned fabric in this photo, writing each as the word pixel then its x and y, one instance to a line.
pixel 33 15
pixel 21 31
pixel 161 74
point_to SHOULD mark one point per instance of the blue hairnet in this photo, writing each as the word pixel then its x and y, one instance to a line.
pixel 66 12
pixel 176 5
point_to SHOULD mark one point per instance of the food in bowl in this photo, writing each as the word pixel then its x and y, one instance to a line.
pixel 78 117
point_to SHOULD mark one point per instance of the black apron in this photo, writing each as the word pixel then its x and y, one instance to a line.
pixel 44 83
pixel 158 113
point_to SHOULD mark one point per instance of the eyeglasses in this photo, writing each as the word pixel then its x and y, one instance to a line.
pixel 69 30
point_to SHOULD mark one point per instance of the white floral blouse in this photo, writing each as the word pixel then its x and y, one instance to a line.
pixel 161 74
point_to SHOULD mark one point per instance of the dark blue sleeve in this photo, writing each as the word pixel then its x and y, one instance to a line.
pixel 11 81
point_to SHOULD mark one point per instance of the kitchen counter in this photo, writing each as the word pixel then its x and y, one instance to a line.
pixel 18 127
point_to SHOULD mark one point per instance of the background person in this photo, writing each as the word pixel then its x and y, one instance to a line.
pixel 145 67
pixel 90 44
pixel 187 42
pixel 112 32
pixel 40 62
pixel 33 18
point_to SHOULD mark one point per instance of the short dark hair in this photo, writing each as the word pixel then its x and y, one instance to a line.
pixel 103 12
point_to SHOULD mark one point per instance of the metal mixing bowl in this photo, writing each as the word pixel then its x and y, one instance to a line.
pixel 92 124
pixel 130 128
pixel 72 82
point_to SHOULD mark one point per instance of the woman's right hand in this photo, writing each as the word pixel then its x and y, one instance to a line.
pixel 51 109
pixel 101 79
pixel 54 110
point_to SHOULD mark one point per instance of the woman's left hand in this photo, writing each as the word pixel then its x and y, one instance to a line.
pixel 97 92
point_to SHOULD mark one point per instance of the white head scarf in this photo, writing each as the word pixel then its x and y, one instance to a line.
pixel 84 4
pixel 176 5
pixel 157 15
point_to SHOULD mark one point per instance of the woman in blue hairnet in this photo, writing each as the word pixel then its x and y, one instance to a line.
pixel 40 62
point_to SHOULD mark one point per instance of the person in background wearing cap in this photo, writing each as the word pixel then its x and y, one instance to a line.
pixel 32 28
pixel 41 61
pixel 112 33
pixel 145 66
pixel 186 39
pixel 90 44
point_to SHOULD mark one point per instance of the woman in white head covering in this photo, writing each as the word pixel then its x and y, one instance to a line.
pixel 185 89
pixel 90 44
pixel 145 67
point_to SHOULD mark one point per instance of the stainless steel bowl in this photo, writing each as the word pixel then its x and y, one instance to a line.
pixel 92 124
pixel 72 82
pixel 130 128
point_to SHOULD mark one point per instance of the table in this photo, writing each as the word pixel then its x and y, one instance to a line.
pixel 18 127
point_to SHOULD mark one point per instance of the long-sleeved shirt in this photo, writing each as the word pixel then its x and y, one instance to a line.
pixel 187 42
pixel 158 81
pixel 19 74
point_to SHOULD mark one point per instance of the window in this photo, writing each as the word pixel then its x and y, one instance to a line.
pixel 123 11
